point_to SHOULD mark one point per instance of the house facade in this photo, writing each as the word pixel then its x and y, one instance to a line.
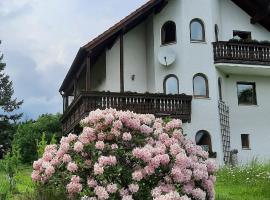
pixel 206 62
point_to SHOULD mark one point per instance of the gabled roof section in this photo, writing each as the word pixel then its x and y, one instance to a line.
pixel 108 37
pixel 259 10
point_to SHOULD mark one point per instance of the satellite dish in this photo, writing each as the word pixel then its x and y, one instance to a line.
pixel 166 56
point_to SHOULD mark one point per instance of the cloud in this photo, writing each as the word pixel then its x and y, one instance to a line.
pixel 41 38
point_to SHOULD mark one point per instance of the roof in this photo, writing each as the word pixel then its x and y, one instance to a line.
pixel 259 10
pixel 103 40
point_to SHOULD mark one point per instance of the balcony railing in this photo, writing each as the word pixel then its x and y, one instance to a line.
pixel 242 53
pixel 161 105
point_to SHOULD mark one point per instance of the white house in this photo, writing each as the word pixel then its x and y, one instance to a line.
pixel 204 61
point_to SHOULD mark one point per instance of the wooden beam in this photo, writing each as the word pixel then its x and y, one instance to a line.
pixel 122 87
pixel 75 87
pixel 260 16
pixel 81 68
pixel 88 73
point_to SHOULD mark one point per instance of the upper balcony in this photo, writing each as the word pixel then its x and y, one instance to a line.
pixel 161 105
pixel 242 53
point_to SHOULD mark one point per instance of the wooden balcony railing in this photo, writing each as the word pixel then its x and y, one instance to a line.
pixel 161 105
pixel 242 53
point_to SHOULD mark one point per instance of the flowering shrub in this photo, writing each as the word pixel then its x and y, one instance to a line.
pixel 123 155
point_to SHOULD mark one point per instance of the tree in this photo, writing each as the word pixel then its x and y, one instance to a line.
pixel 8 106
pixel 29 135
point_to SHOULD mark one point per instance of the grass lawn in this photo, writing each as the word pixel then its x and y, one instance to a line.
pixel 23 180
pixel 243 183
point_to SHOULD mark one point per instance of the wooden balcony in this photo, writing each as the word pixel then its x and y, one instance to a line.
pixel 161 105
pixel 242 53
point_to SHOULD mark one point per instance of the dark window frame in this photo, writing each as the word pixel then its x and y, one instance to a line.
pixel 163 31
pixel 237 32
pixel 254 101
pixel 165 80
pixel 206 86
pixel 200 21
pixel 245 141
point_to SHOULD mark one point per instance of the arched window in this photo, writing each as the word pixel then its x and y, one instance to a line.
pixel 171 84
pixel 168 33
pixel 220 88
pixel 197 30
pixel 200 86
pixel 203 139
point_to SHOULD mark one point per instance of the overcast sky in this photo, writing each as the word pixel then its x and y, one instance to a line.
pixel 40 39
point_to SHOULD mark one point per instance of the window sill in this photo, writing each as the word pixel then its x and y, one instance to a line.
pixel 168 44
pixel 251 105
pixel 201 97
pixel 197 42
pixel 246 149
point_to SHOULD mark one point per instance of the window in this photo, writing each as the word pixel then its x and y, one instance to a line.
pixel 203 139
pixel 220 88
pixel 245 141
pixel 171 84
pixel 200 86
pixel 242 35
pixel 246 93
pixel 168 33
pixel 197 31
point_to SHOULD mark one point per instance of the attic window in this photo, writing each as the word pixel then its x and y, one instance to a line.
pixel 168 33
pixel 242 35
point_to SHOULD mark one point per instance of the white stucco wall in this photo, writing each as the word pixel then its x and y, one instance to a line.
pixel 98 74
pixel 113 68
pixel 135 60
pixel 192 58
pixel 141 47
pixel 234 18
pixel 253 120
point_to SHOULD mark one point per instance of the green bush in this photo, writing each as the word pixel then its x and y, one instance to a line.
pixel 28 133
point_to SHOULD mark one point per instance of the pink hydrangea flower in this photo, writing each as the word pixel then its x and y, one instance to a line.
pixel 101 192
pixel 72 167
pixel 133 188
pixel 112 188
pixel 78 147
pixel 127 137
pixel 100 145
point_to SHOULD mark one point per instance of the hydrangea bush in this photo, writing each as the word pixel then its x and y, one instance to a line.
pixel 123 155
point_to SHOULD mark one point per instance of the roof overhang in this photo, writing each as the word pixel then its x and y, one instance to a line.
pixel 107 39
pixel 259 10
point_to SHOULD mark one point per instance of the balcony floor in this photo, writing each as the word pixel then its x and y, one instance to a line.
pixel 244 69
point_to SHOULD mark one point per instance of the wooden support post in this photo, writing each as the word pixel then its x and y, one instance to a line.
pixel 75 87
pixel 64 103
pixel 122 88
pixel 88 73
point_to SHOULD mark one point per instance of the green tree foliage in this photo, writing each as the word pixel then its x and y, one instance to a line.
pixel 8 104
pixel 41 145
pixel 29 135
pixel 8 107
pixel 10 165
